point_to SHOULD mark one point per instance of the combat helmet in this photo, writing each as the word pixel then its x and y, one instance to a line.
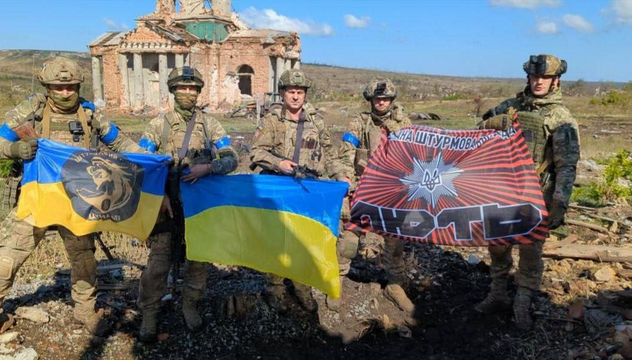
pixel 380 87
pixel 296 78
pixel 184 76
pixel 544 65
pixel 60 71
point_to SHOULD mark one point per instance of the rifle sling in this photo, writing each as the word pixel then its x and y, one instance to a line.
pixel 182 153
pixel 299 138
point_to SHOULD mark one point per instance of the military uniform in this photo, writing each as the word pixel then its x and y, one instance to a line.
pixel 358 144
pixel 552 136
pixel 20 238
pixel 165 135
pixel 275 141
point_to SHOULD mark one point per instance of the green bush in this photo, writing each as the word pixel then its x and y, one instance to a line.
pixel 609 189
pixel 5 167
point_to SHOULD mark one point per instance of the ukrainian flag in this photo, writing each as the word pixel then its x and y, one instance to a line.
pixel 86 191
pixel 274 224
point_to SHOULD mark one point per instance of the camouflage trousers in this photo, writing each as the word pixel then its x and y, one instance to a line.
pixel 530 266
pixel 19 239
pixel 277 288
pixel 153 281
pixel 392 258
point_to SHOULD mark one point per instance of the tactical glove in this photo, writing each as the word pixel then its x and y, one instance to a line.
pixel 556 217
pixel 499 122
pixel 24 149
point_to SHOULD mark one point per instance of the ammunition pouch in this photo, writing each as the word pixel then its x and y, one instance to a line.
pixel 12 186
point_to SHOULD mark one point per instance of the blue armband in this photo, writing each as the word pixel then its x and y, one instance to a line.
pixel 88 105
pixel 7 133
pixel 111 135
pixel 351 139
pixel 147 145
pixel 223 142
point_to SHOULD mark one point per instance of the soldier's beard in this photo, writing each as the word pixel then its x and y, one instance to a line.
pixel 64 103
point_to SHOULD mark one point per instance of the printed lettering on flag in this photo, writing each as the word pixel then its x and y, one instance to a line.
pixel 451 187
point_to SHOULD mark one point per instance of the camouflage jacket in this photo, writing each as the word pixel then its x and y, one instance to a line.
pixel 165 134
pixel 362 138
pixel 32 111
pixel 562 144
pixel 276 137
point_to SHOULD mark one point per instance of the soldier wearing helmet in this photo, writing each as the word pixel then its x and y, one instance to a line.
pixel 49 116
pixel 358 143
pixel 199 147
pixel 291 136
pixel 552 136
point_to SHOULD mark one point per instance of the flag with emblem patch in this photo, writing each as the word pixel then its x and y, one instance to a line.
pixel 451 187
pixel 275 224
pixel 87 191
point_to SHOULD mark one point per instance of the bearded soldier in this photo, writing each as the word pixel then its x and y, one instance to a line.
pixel 199 146
pixel 49 116
pixel 358 143
pixel 288 139
pixel 552 136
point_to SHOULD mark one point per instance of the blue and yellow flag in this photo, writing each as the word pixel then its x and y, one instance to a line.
pixel 87 191
pixel 274 224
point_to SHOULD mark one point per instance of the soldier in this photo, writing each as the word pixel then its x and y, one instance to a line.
pixel 553 139
pixel 199 146
pixel 275 150
pixel 358 143
pixel 49 115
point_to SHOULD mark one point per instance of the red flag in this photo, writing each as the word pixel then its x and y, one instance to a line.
pixel 451 187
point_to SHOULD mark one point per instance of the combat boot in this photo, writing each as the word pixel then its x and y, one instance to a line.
pixel 397 295
pixel 333 304
pixel 149 326
pixel 521 307
pixel 496 300
pixel 274 296
pixel 191 315
pixel 307 301
pixel 93 321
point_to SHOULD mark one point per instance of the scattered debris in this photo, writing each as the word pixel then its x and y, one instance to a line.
pixel 591 252
pixel 33 314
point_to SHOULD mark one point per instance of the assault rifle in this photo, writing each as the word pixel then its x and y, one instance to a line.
pixel 176 225
pixel 300 171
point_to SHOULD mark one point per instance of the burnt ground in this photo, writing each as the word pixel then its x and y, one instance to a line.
pixel 579 314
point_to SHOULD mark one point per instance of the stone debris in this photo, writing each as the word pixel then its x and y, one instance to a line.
pixel 33 314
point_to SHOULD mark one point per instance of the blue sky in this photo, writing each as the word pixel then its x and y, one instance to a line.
pixel 450 37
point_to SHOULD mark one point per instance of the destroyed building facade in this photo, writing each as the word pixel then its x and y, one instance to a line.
pixel 130 69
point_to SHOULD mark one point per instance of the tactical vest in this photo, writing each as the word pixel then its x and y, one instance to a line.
pixel 535 134
pixel 55 126
pixel 311 153
pixel 174 130
pixel 372 134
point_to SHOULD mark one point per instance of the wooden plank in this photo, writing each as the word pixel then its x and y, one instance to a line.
pixel 586 225
pixel 591 252
pixel 549 245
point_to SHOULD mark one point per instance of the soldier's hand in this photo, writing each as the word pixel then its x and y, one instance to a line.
pixel 24 149
pixel 556 217
pixel 196 172
pixel 166 206
pixel 287 166
pixel 499 122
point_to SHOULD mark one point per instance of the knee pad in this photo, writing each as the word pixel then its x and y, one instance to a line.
pixel 6 267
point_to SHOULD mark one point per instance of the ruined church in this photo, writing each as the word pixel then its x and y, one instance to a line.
pixel 130 69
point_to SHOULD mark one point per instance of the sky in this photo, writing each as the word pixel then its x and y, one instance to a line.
pixel 488 38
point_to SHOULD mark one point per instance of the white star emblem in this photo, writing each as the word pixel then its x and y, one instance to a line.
pixel 431 180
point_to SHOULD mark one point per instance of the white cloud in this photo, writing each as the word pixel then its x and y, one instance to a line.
pixel 525 4
pixel 547 27
pixel 114 26
pixel 356 23
pixel 269 19
pixel 578 23
pixel 622 10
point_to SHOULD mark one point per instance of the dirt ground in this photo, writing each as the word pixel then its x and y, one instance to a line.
pixel 581 312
